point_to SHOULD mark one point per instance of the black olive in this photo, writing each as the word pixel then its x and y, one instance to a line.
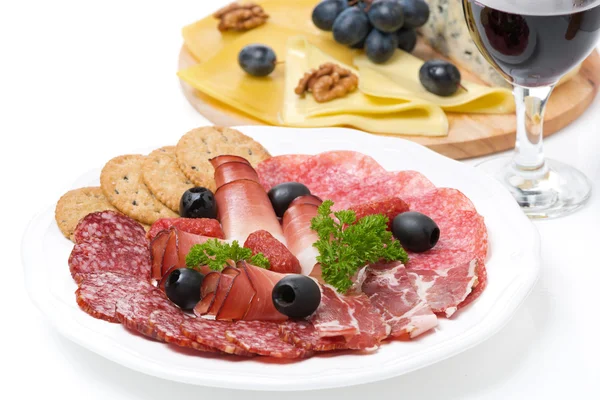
pixel 440 77
pixel 296 296
pixel 283 194
pixel 183 287
pixel 198 202
pixel 415 231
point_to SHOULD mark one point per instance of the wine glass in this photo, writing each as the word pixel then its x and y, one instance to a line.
pixel 532 44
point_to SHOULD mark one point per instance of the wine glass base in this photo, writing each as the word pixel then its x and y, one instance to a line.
pixel 553 191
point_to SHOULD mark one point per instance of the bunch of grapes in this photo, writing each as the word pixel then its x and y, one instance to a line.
pixel 377 26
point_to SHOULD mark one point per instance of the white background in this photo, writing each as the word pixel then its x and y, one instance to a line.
pixel 82 81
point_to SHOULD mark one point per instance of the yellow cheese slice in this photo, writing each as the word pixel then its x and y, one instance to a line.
pixel 203 39
pixel 399 79
pixel 406 116
pixel 222 78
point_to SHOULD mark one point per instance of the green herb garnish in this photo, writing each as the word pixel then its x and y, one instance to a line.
pixel 218 255
pixel 346 245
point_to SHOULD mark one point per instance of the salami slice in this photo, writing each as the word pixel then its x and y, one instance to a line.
pixel 440 202
pixel 98 294
pixel 167 327
pixel 134 310
pixel 303 334
pixel 280 258
pixel 378 187
pixel 109 224
pixel 212 334
pixel 110 255
pixel 331 175
pixel 280 169
pixel 390 207
pixel 263 338
pixel 198 226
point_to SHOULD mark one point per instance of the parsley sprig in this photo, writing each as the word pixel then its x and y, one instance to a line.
pixel 218 255
pixel 345 245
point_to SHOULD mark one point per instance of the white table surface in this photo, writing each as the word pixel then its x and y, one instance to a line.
pixel 83 81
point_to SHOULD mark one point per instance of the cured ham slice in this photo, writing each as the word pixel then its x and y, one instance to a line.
pixel 170 248
pixel 299 236
pixel 393 294
pixel 451 272
pixel 263 281
pixel 243 208
pixel 242 293
pixel 372 328
pixel 280 258
pixel 334 317
pixel 233 171
pixel 353 317
pixel 227 158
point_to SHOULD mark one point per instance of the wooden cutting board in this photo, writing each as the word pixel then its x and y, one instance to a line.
pixel 471 135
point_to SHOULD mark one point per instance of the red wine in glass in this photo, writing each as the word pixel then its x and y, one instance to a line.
pixel 532 44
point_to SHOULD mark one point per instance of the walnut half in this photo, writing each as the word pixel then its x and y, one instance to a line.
pixel 328 82
pixel 240 17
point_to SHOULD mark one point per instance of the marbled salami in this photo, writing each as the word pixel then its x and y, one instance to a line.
pixel 134 310
pixel 167 327
pixel 211 333
pixel 303 334
pixel 98 294
pixel 109 224
pixel 110 255
pixel 263 338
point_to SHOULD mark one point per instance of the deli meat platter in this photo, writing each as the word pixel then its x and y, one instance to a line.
pixel 257 288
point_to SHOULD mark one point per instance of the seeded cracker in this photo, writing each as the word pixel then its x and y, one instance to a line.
pixel 196 147
pixel 164 178
pixel 76 204
pixel 122 183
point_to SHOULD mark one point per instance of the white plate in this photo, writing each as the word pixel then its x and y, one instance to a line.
pixel 513 267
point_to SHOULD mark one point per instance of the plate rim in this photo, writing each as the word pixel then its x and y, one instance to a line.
pixel 70 328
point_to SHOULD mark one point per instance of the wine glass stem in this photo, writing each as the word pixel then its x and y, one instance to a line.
pixel 531 105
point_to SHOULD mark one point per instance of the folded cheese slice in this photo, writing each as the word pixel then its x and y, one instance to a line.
pixel 221 77
pixel 399 79
pixel 408 116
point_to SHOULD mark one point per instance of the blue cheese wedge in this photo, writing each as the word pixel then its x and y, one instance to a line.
pixel 447 32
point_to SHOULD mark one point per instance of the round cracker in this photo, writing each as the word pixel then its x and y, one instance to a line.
pixel 164 178
pixel 198 146
pixel 76 204
pixel 122 184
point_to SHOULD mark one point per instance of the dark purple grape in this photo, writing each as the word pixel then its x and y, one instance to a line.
pixel 440 77
pixel 380 46
pixel 416 13
pixel 257 59
pixel 407 39
pixel 386 15
pixel 351 26
pixel 325 13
